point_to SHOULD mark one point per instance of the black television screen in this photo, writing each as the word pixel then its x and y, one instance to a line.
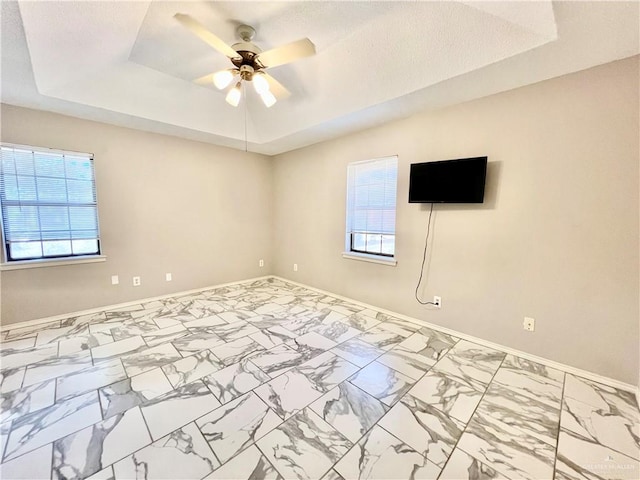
pixel 448 181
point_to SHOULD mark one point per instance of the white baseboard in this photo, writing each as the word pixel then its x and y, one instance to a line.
pixel 63 316
pixel 534 358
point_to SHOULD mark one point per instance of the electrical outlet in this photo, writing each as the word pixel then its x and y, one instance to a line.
pixel 529 324
pixel 261 263
pixel 295 267
pixel 437 301
pixel 115 280
pixel 168 277
pixel 136 281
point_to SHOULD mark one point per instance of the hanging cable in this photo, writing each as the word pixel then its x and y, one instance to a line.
pixel 424 258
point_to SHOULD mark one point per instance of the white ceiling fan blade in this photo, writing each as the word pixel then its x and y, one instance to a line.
pixel 287 53
pixel 275 87
pixel 198 29
pixel 205 80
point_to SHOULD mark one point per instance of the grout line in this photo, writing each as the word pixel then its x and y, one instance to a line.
pixel 144 420
pixel 4 447
pixel 555 457
pixel 53 457
pixel 472 415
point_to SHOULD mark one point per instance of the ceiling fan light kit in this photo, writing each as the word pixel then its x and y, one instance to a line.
pixel 249 60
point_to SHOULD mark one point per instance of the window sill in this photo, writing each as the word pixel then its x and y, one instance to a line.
pixel 363 257
pixel 19 265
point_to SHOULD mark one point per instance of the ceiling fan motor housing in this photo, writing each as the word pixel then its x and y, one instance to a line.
pixel 247 50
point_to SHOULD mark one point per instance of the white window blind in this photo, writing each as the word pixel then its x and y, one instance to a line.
pixel 48 202
pixel 371 206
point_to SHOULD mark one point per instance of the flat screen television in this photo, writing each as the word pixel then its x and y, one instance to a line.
pixel 448 181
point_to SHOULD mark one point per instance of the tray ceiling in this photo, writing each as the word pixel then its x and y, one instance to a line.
pixel 132 63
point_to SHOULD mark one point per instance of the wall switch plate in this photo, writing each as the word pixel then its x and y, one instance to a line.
pixel 261 263
pixel 136 281
pixel 437 301
pixel 295 267
pixel 168 277
pixel 115 280
pixel 529 324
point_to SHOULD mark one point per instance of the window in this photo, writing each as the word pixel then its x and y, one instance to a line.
pixel 48 200
pixel 371 206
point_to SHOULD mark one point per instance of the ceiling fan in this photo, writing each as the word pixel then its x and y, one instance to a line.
pixel 249 62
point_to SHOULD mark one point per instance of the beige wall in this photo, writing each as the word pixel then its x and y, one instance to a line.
pixel 165 204
pixel 557 238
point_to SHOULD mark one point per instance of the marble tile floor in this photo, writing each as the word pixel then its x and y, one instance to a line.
pixel 269 380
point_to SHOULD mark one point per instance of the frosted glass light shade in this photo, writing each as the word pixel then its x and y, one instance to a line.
pixel 233 97
pixel 260 83
pixel 268 99
pixel 222 79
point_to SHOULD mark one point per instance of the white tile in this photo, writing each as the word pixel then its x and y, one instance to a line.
pixel 532 380
pixel 17 345
pixel 196 342
pixel 457 400
pixel 31 330
pixel 168 412
pixel 133 391
pixel 54 335
pixel 470 364
pixel 11 379
pixel 191 368
pixel 109 441
pixel 26 400
pixel 104 373
pixel 149 359
pixel 250 464
pixel 409 363
pixel 104 474
pixel 311 340
pixel 237 350
pixel 305 446
pixel 44 426
pixel 236 425
pixel 382 382
pixel 349 410
pixel 20 358
pixel 512 454
pixel 210 321
pixel 57 367
pixel 424 428
pixel 235 380
pixel 289 393
pixel 604 414
pixel 277 360
pixel 327 370
pixel 579 457
pixel 381 338
pixel 165 335
pixel 182 454
pixel 357 352
pixel 115 349
pixel 380 455
pixel 462 466
pixel 84 342
pixel 33 465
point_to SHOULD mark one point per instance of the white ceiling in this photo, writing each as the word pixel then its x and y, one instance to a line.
pixel 132 63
